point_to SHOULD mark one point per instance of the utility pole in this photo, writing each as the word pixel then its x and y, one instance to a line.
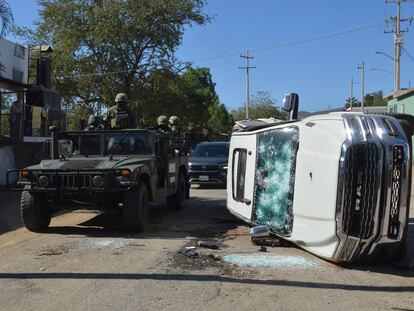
pixel 248 67
pixel 398 40
pixel 362 67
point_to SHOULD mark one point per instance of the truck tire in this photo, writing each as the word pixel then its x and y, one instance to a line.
pixel 176 201
pixel 135 209
pixel 407 123
pixel 35 212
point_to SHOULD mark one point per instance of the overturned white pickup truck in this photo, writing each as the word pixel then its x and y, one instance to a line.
pixel 338 185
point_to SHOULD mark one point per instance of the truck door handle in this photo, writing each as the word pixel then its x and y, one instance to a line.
pixel 246 201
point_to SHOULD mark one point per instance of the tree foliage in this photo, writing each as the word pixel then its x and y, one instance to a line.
pixel 105 47
pixel 370 99
pixel 355 102
pixel 262 105
pixel 6 18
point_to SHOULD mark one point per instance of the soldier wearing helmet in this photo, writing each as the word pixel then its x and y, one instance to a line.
pixel 174 123
pixel 93 123
pixel 162 122
pixel 119 115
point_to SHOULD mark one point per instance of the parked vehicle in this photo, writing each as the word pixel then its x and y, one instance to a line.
pixel 113 169
pixel 208 163
pixel 337 185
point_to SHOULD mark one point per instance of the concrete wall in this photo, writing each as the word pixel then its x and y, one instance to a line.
pixel 6 162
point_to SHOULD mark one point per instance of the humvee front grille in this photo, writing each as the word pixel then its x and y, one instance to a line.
pixel 74 181
pixel 360 196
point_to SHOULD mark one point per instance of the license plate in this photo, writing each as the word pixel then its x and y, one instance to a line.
pixel 203 178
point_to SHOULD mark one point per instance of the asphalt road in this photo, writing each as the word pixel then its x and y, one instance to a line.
pixel 87 262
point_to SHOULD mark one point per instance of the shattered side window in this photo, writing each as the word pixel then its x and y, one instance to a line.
pixel 275 179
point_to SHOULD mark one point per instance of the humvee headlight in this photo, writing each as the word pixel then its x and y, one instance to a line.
pixel 43 181
pixel 125 172
pixel 97 181
pixel 25 174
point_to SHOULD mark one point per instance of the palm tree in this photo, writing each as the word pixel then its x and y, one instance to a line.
pixel 6 18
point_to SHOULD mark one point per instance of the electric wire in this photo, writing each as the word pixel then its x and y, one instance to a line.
pixel 297 42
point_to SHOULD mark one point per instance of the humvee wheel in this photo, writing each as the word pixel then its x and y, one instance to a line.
pixel 135 209
pixel 176 201
pixel 35 212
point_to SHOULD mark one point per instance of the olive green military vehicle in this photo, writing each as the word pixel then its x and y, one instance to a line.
pixel 122 169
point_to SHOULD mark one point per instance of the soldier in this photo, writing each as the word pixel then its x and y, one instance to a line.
pixel 120 116
pixel 93 123
pixel 174 123
pixel 163 124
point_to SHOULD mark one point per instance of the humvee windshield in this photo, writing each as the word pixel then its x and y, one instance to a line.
pixel 110 143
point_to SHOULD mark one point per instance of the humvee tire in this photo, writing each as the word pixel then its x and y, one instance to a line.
pixel 135 208
pixel 407 123
pixel 35 212
pixel 176 201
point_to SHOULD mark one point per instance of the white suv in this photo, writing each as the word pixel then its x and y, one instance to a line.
pixel 337 185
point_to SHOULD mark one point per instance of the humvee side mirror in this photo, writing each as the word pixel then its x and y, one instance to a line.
pixel 291 104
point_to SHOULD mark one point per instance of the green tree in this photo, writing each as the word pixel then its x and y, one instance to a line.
pixel 190 95
pixel 355 102
pixel 105 47
pixel 6 22
pixel 262 105
pixel 374 99
pixel 6 18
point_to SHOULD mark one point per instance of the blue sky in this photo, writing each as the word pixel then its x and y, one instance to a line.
pixel 320 71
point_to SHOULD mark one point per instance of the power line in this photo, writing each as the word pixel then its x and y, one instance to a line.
pixel 211 47
pixel 217 43
pixel 408 54
pixel 318 38
pixel 234 46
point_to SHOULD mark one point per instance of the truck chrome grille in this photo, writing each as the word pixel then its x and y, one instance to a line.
pixel 360 196
pixel 394 222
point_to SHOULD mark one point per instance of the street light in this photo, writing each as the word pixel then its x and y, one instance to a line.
pixel 380 69
pixel 385 54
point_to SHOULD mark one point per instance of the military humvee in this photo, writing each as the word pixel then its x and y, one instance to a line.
pixel 113 169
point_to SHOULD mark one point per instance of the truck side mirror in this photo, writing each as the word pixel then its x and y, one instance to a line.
pixel 291 104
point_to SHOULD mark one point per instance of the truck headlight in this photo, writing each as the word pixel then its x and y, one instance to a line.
pixel 43 181
pixel 97 181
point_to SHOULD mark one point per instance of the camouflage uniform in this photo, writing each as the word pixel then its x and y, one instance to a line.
pixel 93 123
pixel 120 116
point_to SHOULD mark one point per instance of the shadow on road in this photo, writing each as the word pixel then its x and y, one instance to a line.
pixel 201 278
pixel 201 218
pixel 9 211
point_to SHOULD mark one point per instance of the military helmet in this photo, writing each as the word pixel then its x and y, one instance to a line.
pixel 174 120
pixel 121 97
pixel 162 120
pixel 92 120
